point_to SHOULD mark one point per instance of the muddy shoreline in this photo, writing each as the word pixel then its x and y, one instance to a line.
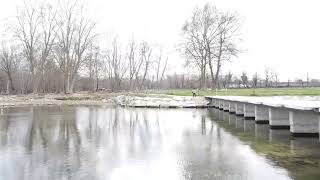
pixel 85 98
pixel 136 100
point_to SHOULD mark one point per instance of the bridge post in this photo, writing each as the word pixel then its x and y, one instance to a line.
pixel 226 105
pixel 249 111
pixel 232 107
pixel 221 104
pixel 304 123
pixel 278 118
pixel 239 109
pixel 261 114
pixel 216 103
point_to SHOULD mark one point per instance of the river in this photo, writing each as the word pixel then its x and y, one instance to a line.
pixel 114 143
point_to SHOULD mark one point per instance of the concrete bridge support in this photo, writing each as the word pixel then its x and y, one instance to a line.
pixel 239 109
pixel 216 103
pixel 278 118
pixel 249 111
pixel 221 102
pixel 304 123
pixel 261 114
pixel 226 105
pixel 232 107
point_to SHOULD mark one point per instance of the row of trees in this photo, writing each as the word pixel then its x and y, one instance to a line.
pixel 270 78
pixel 55 48
pixel 49 47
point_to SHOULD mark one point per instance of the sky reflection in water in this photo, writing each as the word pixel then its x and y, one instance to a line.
pixel 119 144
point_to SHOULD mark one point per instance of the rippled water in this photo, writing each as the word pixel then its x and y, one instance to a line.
pixel 115 143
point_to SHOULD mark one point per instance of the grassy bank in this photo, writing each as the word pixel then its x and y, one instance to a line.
pixel 250 92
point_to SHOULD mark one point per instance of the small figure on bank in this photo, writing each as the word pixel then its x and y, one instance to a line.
pixel 194 94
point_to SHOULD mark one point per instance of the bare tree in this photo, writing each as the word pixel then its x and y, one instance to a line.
pixel 193 45
pixel 27 30
pixel 300 81
pixel 75 34
pixel 47 37
pixel 133 64
pixel 227 80
pixel 227 39
pixel 274 78
pixel 84 36
pixel 244 79
pixel 255 79
pixel 9 64
pixel 116 65
pixel 266 76
pixel 308 80
pixel 145 55
pixel 160 69
pixel 95 67
pixel 210 38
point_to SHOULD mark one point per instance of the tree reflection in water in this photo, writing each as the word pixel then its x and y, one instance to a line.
pixel 96 142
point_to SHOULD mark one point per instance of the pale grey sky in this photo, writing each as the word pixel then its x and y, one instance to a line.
pixel 283 35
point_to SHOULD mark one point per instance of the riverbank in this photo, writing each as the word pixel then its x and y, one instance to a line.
pixel 82 98
pixel 148 99
pixel 294 91
pixel 126 99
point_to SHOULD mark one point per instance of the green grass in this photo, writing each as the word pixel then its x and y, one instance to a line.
pixel 314 91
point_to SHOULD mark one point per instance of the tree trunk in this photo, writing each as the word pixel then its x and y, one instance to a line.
pixel 212 75
pixel 10 84
pixel 144 77
pixel 201 78
pixel 66 83
pixel 216 84
pixel 71 87
pixel 218 64
pixel 34 83
pixel 8 87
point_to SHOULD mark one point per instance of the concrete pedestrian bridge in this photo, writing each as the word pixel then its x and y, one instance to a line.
pixel 300 115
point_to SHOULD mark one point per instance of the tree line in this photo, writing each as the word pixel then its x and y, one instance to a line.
pixel 54 47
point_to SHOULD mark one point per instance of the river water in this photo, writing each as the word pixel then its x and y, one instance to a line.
pixel 114 143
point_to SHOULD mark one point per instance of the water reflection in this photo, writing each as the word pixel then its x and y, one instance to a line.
pixel 248 126
pixel 232 119
pixel 261 131
pixel 300 156
pixel 240 122
pixel 94 142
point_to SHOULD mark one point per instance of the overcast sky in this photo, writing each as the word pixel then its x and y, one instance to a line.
pixel 281 34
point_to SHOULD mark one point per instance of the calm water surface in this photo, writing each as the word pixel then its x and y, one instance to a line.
pixel 113 143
